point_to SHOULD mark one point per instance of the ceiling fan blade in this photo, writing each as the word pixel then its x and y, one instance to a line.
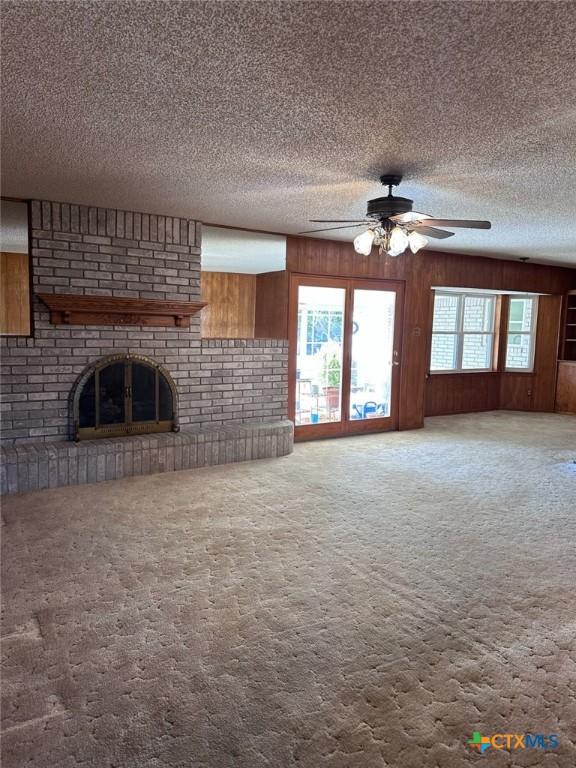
pixel 329 229
pixel 439 234
pixel 337 221
pixel 409 217
pixel 466 223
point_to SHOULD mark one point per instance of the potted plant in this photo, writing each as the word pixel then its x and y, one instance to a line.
pixel 332 379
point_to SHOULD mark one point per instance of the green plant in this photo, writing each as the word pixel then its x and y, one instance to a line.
pixel 333 372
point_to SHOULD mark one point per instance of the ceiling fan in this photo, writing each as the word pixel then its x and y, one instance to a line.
pixel 394 226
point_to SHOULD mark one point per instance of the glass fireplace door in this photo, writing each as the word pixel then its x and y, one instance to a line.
pixel 123 395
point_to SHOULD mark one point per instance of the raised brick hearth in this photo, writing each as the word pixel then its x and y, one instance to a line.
pixel 51 465
pixel 109 253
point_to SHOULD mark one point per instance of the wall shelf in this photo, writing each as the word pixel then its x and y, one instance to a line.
pixel 568 344
pixel 75 309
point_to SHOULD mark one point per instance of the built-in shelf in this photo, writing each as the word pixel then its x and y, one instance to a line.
pixel 75 309
pixel 568 345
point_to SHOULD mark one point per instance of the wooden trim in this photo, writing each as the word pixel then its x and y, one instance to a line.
pixel 431 301
pixel 346 377
pixel 331 429
pixel 292 344
pixel 73 309
pixel 246 229
pixel 30 270
pixel 468 372
pixel 567 347
pixel 503 333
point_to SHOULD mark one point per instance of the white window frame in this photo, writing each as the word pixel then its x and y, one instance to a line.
pixel 531 333
pixel 460 333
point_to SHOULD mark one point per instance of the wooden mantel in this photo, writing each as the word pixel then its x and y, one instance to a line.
pixel 75 309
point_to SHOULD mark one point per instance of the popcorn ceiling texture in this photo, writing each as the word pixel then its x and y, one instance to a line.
pixel 266 114
pixel 362 603
pixel 99 251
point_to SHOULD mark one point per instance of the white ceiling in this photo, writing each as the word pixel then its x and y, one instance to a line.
pixel 266 114
pixel 233 250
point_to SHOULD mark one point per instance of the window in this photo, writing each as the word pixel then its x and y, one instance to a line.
pixel 521 334
pixel 462 332
pixel 322 325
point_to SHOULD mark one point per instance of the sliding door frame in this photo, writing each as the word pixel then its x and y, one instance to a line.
pixel 345 426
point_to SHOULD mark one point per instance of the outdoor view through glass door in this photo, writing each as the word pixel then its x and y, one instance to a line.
pixel 344 355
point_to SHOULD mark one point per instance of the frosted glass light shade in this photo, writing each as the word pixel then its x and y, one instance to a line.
pixel 363 243
pixel 398 242
pixel 416 241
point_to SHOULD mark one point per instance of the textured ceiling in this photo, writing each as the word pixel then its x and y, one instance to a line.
pixel 266 114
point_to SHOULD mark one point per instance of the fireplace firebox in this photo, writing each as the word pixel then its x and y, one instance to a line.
pixel 123 395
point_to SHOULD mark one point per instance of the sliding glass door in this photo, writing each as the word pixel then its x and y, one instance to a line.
pixel 320 345
pixel 344 356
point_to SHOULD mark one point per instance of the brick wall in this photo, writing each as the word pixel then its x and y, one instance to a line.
pixel 97 251
pixel 244 380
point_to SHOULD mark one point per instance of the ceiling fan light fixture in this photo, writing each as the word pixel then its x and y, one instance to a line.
pixel 393 225
pixel 398 242
pixel 363 243
pixel 416 241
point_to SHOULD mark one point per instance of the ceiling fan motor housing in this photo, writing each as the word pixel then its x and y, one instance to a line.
pixel 383 207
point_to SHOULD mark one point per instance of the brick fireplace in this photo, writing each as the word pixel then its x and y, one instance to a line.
pixel 80 251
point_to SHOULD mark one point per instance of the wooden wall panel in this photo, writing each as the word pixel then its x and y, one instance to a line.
pixel 546 353
pixel 566 387
pixel 414 362
pixel 516 391
pixel 231 299
pixel 330 257
pixel 15 294
pixel 421 272
pixel 511 391
pixel 271 316
pixel 462 393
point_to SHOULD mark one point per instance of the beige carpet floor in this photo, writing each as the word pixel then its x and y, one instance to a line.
pixel 362 603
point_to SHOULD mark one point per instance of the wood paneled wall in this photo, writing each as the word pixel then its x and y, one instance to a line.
pixel 421 272
pixel 231 299
pixel 15 294
pixel 244 306
pixel 271 305
pixel 566 387
pixel 532 391
pixel 546 353
pixel 462 393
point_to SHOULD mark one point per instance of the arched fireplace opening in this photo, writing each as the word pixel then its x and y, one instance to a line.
pixel 123 395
